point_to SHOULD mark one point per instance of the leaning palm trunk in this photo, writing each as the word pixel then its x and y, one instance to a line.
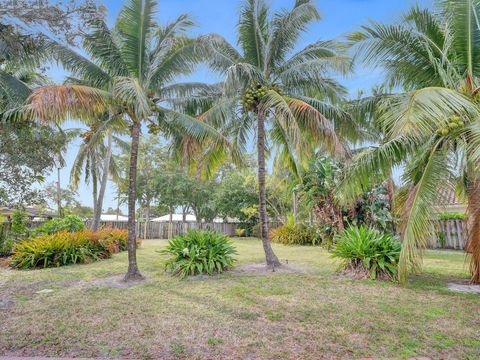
pixel 133 272
pixel 270 256
pixel 473 244
pixel 103 184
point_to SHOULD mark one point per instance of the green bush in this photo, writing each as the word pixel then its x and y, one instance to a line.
pixel 19 222
pixel 367 252
pixel 65 248
pixel 70 223
pixel 240 232
pixel 452 216
pixel 292 234
pixel 6 241
pixel 199 252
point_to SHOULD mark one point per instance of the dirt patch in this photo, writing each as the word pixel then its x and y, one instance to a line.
pixel 6 304
pixel 115 281
pixel 4 262
pixel 263 269
pixel 464 288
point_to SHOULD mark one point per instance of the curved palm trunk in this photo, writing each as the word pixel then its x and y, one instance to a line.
pixel 133 273
pixel 103 184
pixel 473 244
pixel 270 256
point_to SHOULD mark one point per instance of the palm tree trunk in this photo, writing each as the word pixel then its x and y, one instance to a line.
pixel 170 223
pixel 133 272
pixel 59 193
pixel 103 183
pixel 94 194
pixel 473 244
pixel 294 205
pixel 391 195
pixel 270 256
pixel 147 219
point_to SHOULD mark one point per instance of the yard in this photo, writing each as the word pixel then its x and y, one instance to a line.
pixel 313 312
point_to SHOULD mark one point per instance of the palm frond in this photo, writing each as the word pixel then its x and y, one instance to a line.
pixel 287 26
pixel 134 25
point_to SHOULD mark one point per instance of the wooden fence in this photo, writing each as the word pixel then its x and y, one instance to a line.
pixel 449 234
pixel 160 230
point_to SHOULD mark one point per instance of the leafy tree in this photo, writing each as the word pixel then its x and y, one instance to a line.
pixel 292 94
pixel 432 127
pixel 236 191
pixel 68 197
pixel 129 73
pixel 95 160
pixel 200 197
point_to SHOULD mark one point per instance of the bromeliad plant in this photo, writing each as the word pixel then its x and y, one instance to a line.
pixel 199 252
pixel 366 252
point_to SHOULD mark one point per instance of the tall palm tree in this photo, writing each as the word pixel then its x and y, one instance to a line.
pixel 95 160
pixel 288 98
pixel 129 73
pixel 433 126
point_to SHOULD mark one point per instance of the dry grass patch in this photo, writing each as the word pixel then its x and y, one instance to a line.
pixel 314 314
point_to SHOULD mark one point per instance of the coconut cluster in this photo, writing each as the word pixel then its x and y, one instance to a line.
pixel 254 95
pixel 454 122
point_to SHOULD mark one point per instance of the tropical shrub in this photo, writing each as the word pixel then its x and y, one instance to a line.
pixel 65 248
pixel 292 234
pixel 366 252
pixel 19 222
pixel 70 223
pixel 240 232
pixel 255 231
pixel 199 252
pixel 6 241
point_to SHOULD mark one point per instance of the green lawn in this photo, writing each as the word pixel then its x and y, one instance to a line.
pixel 311 315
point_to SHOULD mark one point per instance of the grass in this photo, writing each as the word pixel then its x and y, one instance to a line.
pixel 311 315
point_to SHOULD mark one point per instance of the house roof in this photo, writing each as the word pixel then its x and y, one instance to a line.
pixel 189 218
pixel 113 217
pixel 31 212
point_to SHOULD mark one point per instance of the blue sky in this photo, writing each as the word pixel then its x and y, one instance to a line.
pixel 339 17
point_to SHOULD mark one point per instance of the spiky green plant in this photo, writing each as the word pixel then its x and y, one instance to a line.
pixel 367 251
pixel 199 252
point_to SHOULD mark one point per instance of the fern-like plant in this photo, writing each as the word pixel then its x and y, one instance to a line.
pixel 366 252
pixel 199 252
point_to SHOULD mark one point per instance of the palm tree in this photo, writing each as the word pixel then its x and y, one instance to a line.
pixel 129 73
pixel 95 160
pixel 433 127
pixel 287 98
